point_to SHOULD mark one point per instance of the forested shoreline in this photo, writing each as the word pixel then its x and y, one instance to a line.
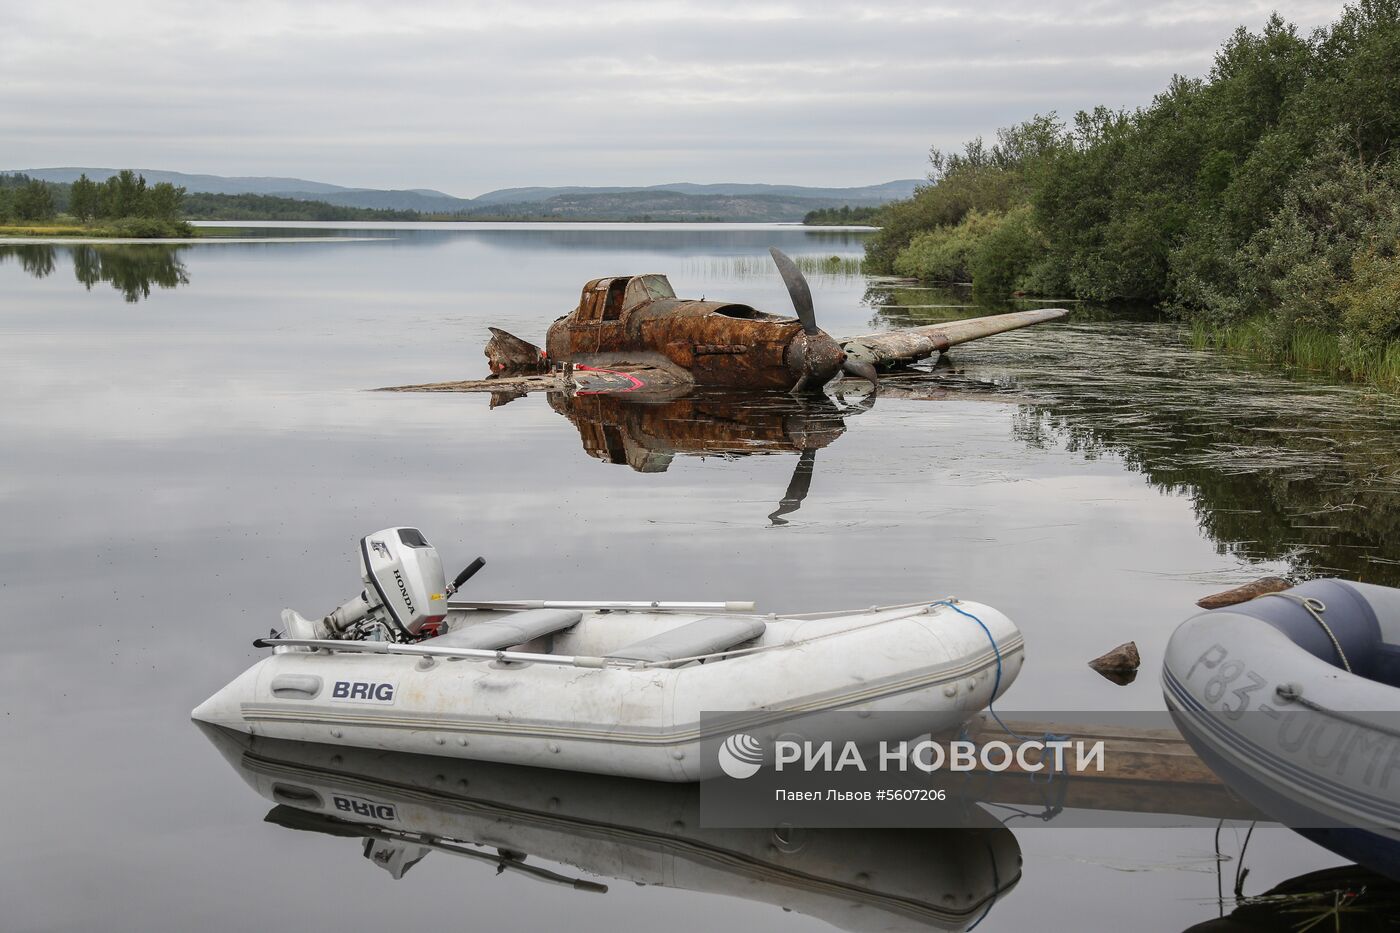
pixel 1259 204
pixel 122 206
pixel 841 216
pixel 201 205
pixel 125 206
pixel 45 208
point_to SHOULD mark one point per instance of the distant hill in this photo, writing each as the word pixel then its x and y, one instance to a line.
pixel 416 199
pixel 214 184
pixel 869 194
pixel 427 202
pixel 678 201
pixel 656 205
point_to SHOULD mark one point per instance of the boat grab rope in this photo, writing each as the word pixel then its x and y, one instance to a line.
pixel 951 603
pixel 760 649
pixel 1316 608
pixel 1293 693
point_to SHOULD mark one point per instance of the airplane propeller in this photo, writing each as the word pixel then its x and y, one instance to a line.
pixel 801 294
pixel 801 483
pixel 798 290
pixel 798 487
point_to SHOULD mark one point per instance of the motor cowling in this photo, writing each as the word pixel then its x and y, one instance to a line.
pixel 405 588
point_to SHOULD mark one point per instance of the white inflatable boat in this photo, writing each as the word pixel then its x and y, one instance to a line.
pixel 613 688
pixel 1293 699
pixel 585 831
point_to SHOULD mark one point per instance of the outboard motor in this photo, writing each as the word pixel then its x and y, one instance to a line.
pixel 405 592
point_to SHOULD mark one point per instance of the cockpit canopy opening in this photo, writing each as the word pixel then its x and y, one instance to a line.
pixel 740 311
pixel 617 291
pixel 608 299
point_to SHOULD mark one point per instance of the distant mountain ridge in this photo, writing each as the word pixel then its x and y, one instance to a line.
pixel 419 199
pixel 867 194
pixel 214 184
pixel 712 201
pixel 657 205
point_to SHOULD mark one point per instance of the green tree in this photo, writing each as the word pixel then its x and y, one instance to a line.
pixel 84 200
pixel 980 178
pixel 122 194
pixel 1005 259
pixel 163 201
pixel 34 201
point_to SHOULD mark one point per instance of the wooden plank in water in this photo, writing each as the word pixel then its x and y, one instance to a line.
pixel 1145 771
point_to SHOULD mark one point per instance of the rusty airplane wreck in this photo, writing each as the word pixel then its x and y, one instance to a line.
pixel 631 332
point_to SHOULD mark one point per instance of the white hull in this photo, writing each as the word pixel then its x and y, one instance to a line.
pixel 640 721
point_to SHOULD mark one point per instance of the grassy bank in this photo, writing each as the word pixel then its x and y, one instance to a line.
pixel 135 228
pixel 1311 349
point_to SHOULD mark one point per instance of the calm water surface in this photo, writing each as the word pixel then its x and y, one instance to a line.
pixel 189 447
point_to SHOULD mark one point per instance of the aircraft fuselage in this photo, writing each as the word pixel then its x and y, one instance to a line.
pixel 638 321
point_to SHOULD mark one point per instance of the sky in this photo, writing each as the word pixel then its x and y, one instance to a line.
pixel 467 97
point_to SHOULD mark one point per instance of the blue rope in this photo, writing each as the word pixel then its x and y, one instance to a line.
pixel 996 685
pixel 996 650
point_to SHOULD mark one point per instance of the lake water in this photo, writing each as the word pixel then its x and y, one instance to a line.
pixel 189 447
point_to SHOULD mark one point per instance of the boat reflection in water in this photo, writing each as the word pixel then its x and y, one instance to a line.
pixel 646 431
pixel 1345 898
pixel 404 807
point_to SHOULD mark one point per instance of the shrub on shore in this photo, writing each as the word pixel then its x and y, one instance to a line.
pixel 128 227
pixel 1262 201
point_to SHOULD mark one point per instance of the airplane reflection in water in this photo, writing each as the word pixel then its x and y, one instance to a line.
pixel 647 430
pixel 405 807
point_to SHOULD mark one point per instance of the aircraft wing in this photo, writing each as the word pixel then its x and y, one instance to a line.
pixel 911 344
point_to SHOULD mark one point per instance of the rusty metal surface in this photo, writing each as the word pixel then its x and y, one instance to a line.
pixel 910 345
pixel 622 319
pixel 507 353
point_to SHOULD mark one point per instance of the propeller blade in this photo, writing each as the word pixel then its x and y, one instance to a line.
pixel 798 487
pixel 798 290
pixel 864 370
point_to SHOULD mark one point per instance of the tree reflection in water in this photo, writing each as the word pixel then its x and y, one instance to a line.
pixel 131 268
pixel 1279 466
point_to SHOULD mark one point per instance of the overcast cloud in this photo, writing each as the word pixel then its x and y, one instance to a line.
pixel 467 97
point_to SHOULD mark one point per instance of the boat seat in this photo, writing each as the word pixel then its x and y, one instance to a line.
pixel 515 629
pixel 1385 604
pixel 704 636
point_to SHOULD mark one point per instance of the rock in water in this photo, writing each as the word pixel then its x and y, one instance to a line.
pixel 1119 665
pixel 1243 594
